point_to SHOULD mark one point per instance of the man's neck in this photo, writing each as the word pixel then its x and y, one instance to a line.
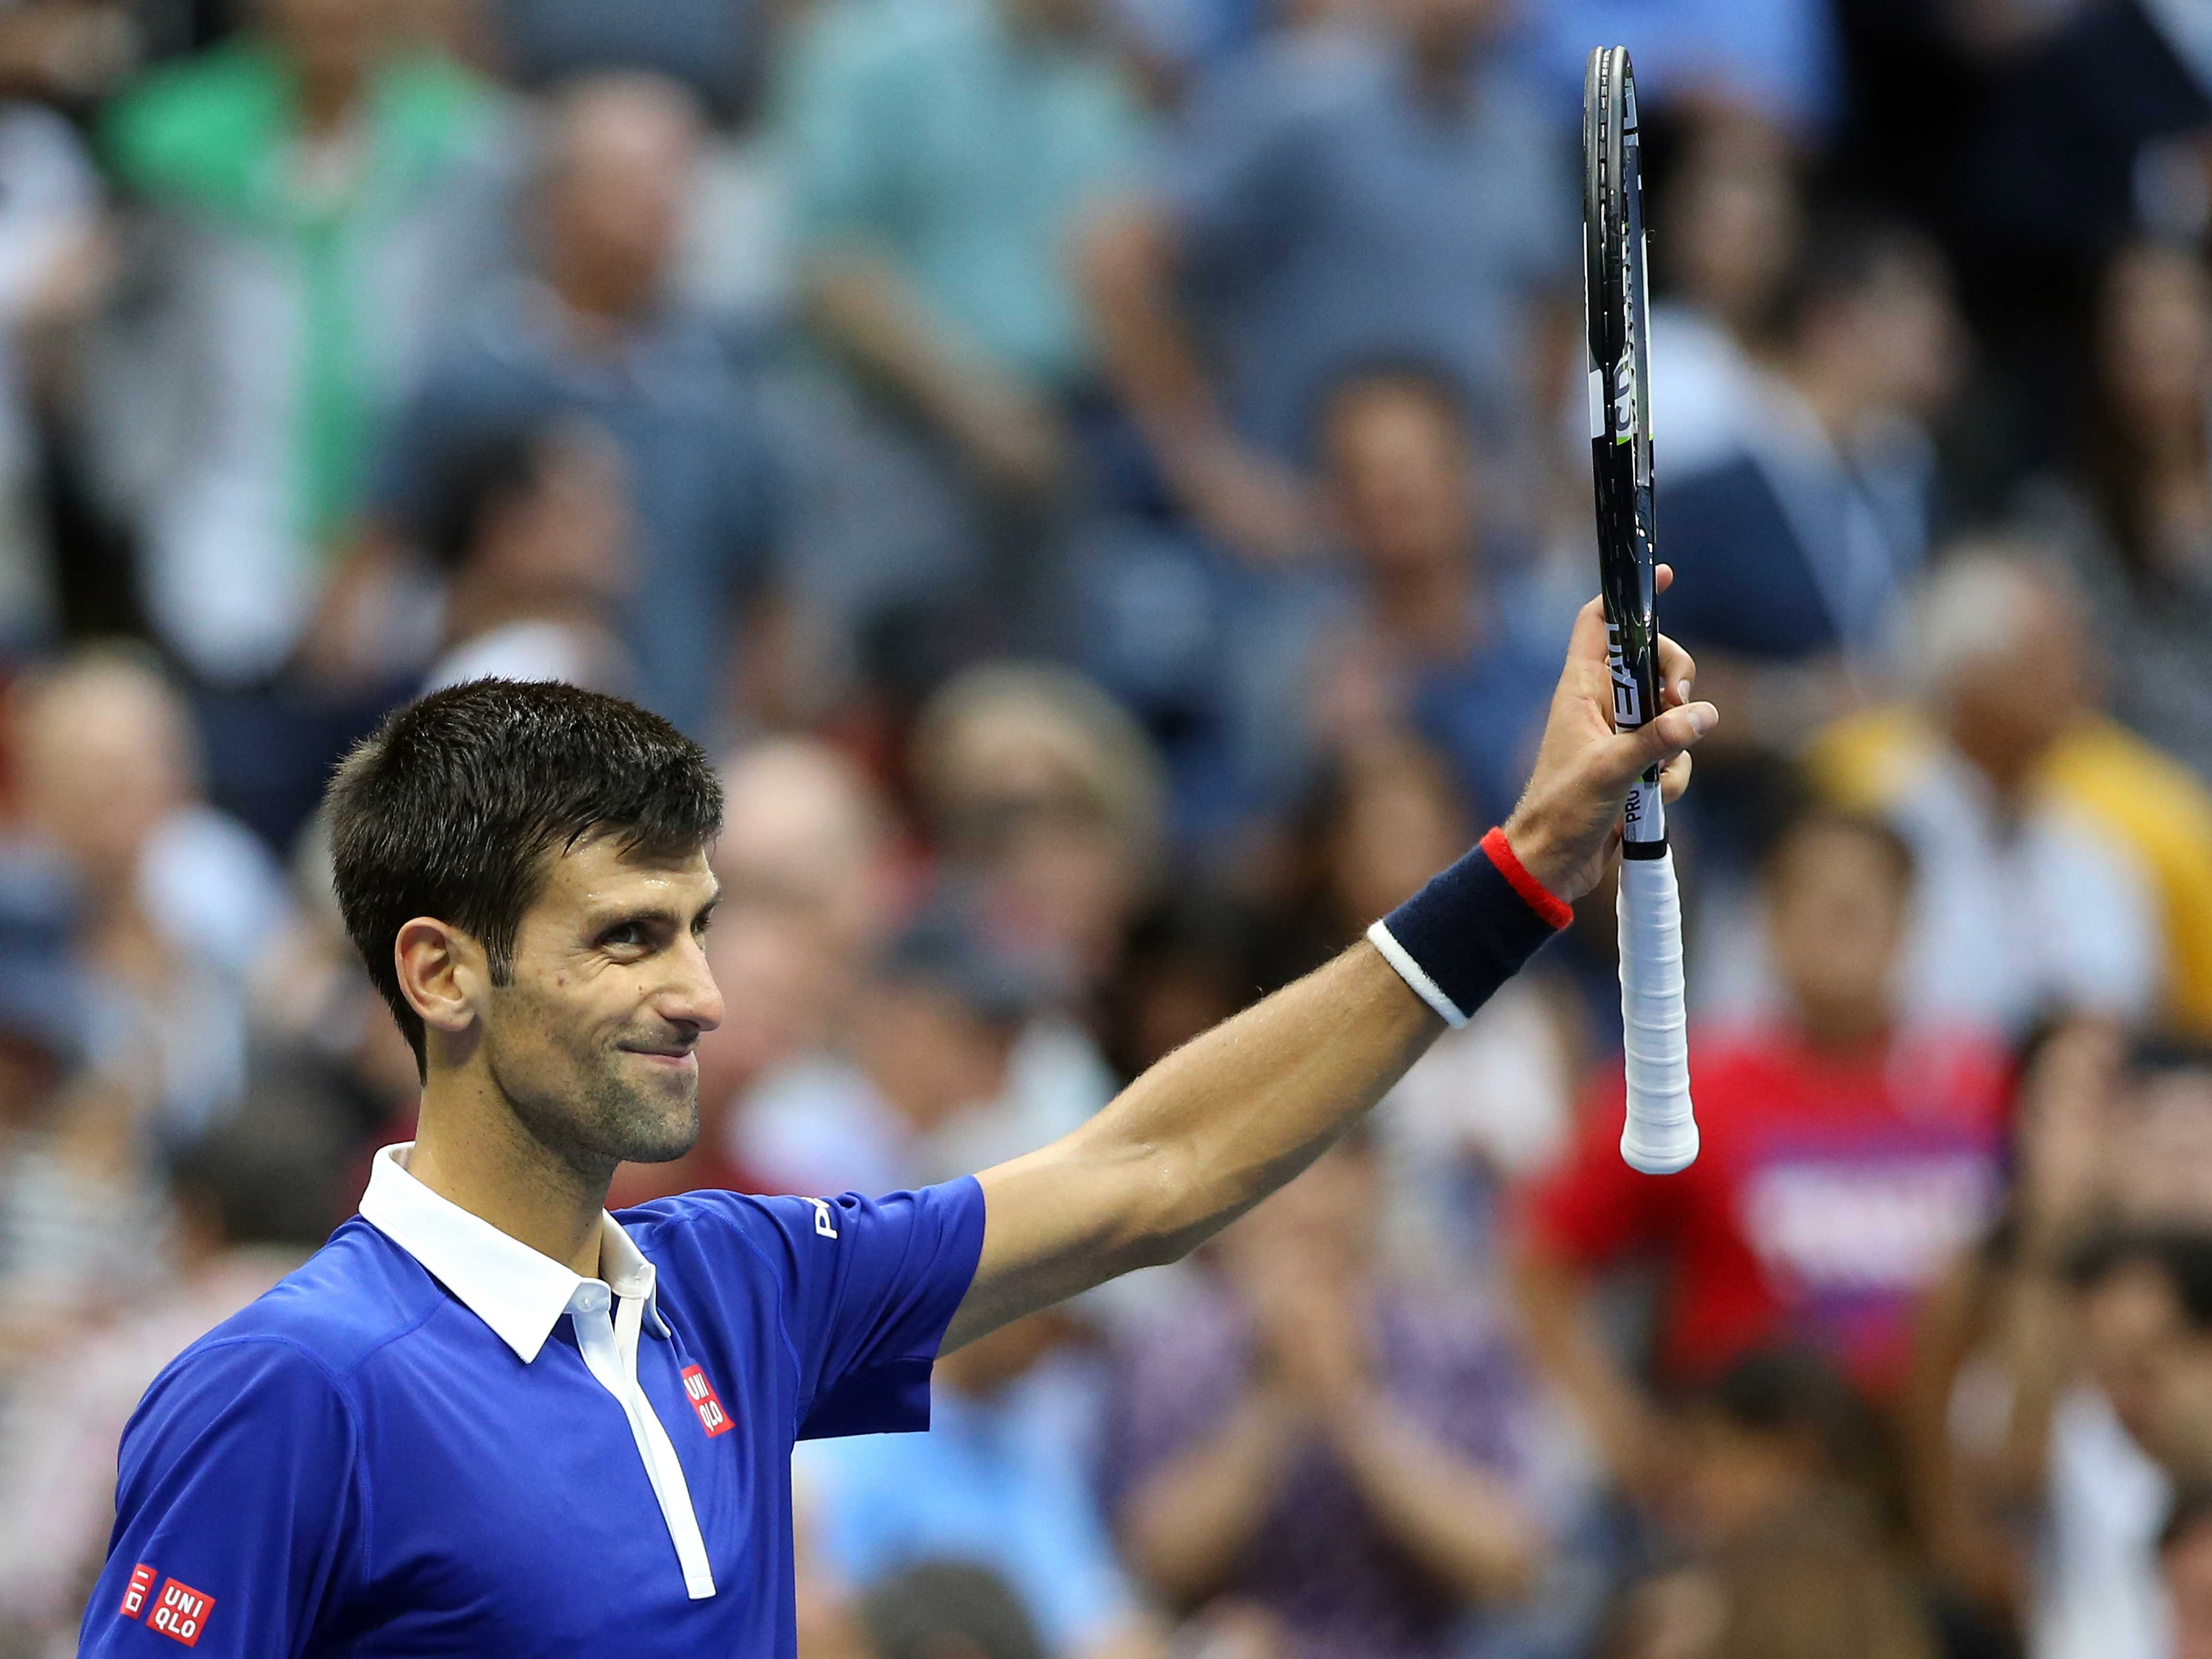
pixel 471 1150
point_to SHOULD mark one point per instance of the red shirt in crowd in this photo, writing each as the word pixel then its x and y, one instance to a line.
pixel 1828 1191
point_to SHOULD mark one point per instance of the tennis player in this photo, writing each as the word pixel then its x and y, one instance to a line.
pixel 487 1417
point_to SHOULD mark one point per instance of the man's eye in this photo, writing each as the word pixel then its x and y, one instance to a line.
pixel 628 935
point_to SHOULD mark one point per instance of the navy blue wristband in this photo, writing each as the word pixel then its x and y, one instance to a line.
pixel 1469 930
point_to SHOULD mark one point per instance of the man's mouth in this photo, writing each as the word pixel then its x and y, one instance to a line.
pixel 679 1055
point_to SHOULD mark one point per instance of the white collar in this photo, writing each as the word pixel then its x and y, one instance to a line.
pixel 521 1293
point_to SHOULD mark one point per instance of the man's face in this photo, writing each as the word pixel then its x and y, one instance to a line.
pixel 593 1039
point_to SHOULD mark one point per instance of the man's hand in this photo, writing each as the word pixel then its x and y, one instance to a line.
pixel 1567 826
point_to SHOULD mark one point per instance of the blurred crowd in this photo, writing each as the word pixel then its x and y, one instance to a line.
pixel 1109 477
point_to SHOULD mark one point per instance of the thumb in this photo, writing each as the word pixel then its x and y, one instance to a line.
pixel 1656 742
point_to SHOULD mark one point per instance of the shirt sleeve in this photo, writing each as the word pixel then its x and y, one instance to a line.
pixel 235 1502
pixel 866 1288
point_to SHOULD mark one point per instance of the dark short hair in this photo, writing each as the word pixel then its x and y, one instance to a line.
pixel 453 807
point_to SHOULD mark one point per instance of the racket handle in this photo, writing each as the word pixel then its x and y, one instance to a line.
pixel 1660 1135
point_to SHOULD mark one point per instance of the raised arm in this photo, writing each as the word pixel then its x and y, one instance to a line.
pixel 1225 1119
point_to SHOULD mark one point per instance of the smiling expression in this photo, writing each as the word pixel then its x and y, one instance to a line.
pixel 593 1039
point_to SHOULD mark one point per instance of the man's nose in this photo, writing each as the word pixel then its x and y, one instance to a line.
pixel 692 997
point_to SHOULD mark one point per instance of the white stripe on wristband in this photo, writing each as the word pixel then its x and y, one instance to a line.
pixel 1411 972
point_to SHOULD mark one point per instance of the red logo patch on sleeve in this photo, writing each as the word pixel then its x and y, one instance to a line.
pixel 181 1613
pixel 701 1392
pixel 134 1592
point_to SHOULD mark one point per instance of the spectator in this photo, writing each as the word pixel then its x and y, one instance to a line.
pixel 322 190
pixel 2143 527
pixel 1778 1437
pixel 252 1200
pixel 1348 194
pixel 1440 644
pixel 1792 549
pixel 1845 1162
pixel 1038 789
pixel 941 152
pixel 1995 1327
pixel 2057 1397
pixel 590 337
pixel 1780 1512
pixel 2069 864
pixel 998 1481
pixel 177 902
pixel 1359 1459
pixel 533 532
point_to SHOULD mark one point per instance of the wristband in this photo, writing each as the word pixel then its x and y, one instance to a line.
pixel 1469 930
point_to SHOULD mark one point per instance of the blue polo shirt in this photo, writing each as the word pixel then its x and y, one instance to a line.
pixel 453 1445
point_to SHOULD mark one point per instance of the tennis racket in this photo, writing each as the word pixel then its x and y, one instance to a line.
pixel 1662 1133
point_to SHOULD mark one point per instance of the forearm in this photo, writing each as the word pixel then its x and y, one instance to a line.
pixel 1460 1523
pixel 1184 1527
pixel 1196 1140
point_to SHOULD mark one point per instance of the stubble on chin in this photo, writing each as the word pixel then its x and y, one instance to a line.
pixel 579 1101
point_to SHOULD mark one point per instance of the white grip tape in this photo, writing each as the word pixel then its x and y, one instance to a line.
pixel 1662 1134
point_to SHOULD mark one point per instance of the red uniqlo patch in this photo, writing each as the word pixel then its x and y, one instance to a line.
pixel 134 1592
pixel 712 1416
pixel 181 1613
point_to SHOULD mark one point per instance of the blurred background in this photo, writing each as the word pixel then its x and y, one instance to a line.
pixel 1109 477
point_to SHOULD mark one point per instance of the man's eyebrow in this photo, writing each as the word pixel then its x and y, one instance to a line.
pixel 642 914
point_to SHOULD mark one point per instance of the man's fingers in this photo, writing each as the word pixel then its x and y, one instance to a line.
pixel 1677 729
pixel 1661 741
pixel 1587 643
pixel 1678 672
pixel 1674 778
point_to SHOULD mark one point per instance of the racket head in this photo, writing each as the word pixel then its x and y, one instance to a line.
pixel 1617 318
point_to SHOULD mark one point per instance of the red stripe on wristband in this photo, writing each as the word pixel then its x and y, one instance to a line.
pixel 1537 896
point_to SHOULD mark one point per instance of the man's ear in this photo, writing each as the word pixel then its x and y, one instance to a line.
pixel 443 973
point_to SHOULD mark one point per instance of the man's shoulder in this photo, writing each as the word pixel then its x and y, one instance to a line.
pixel 333 1311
